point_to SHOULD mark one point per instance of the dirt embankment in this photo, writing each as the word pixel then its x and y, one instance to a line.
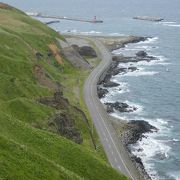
pixel 44 79
pixel 64 121
pixel 56 52
pixel 73 56
pixel 5 6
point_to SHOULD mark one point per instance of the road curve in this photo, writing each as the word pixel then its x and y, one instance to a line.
pixel 114 150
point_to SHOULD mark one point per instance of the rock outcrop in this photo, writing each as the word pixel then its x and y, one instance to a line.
pixel 121 107
pixel 136 130
pixel 62 123
pixel 87 51
pixel 73 56
pixel 129 133
pixel 65 126
pixel 141 54
pixel 113 43
pixel 101 92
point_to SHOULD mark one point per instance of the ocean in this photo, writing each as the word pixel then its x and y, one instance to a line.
pixel 155 88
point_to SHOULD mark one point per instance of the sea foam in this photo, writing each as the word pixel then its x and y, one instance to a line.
pixel 174 175
pixel 140 73
pixel 149 40
pixel 151 148
pixel 170 24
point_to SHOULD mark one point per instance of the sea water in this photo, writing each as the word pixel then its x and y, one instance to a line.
pixel 155 88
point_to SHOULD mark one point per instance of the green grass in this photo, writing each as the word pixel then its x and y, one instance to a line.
pixel 19 163
pixel 58 150
pixel 27 149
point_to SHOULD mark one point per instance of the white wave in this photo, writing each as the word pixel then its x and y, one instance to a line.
pixel 161 124
pixel 176 140
pixel 174 25
pixel 149 148
pixel 116 34
pixel 167 22
pixel 117 52
pixel 122 88
pixel 32 13
pixel 149 41
pixel 138 106
pixel 118 116
pixel 162 121
pixel 91 32
pixel 75 31
pixel 130 49
pixel 175 175
pixel 104 99
pixel 126 65
pixel 171 24
pixel 109 96
pixel 72 31
pixel 152 63
pixel 141 73
pixel 147 48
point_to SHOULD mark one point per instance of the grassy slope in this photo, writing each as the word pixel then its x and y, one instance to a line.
pixel 25 151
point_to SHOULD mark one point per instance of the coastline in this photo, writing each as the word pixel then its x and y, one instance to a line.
pixel 130 130
pixel 129 89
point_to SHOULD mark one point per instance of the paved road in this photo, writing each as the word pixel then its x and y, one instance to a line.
pixel 115 151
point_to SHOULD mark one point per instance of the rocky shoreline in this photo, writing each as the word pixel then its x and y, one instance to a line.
pixel 133 130
pixel 114 69
pixel 129 133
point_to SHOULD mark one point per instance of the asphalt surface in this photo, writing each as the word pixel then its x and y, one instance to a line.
pixel 115 151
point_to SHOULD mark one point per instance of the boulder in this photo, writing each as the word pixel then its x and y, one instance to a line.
pixel 137 130
pixel 65 126
pixel 141 54
pixel 132 68
pixel 121 107
pixel 101 92
pixel 87 51
pixel 110 84
pixel 109 109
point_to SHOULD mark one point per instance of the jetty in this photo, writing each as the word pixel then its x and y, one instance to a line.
pixel 94 20
pixel 52 22
pixel 148 18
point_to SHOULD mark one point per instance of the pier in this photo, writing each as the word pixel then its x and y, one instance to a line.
pixel 148 18
pixel 94 20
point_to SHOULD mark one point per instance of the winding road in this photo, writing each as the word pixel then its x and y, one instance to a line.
pixel 114 149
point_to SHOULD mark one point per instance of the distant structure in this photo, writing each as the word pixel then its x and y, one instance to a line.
pixel 52 22
pixel 148 18
pixel 94 20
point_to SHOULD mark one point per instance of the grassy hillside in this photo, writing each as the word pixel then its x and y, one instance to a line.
pixel 31 145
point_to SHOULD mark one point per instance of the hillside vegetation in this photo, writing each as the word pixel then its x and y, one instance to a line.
pixel 43 135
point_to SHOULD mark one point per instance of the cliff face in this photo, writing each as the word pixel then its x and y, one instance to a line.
pixel 44 133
